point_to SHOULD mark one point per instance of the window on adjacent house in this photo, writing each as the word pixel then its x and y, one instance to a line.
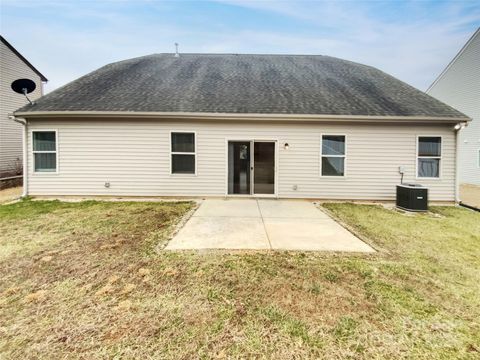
pixel 183 152
pixel 333 155
pixel 429 156
pixel 44 151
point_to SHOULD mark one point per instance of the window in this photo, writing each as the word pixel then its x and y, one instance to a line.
pixel 44 151
pixel 183 152
pixel 429 156
pixel 333 155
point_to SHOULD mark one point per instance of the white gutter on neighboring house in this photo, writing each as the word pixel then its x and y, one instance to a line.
pixel 115 115
pixel 25 152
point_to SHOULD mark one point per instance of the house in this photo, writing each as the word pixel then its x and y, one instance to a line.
pixel 13 66
pixel 459 86
pixel 287 126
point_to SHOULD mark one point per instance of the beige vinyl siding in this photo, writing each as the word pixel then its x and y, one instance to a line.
pixel 134 157
pixel 12 68
pixel 459 86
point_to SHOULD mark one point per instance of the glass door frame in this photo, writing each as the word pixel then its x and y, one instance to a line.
pixel 252 142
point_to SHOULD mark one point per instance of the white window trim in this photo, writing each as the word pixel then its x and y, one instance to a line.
pixel 33 152
pixel 478 158
pixel 182 153
pixel 429 157
pixel 342 156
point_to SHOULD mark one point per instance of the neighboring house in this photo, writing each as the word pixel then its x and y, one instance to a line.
pixel 13 66
pixel 459 86
pixel 289 126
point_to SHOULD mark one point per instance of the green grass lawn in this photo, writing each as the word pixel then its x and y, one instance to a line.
pixel 82 280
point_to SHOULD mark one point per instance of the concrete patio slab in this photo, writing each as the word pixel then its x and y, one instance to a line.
pixel 312 235
pixel 221 233
pixel 229 207
pixel 290 209
pixel 264 225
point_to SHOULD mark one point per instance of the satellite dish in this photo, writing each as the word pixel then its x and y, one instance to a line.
pixel 24 86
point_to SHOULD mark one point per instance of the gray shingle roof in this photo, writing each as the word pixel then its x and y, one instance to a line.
pixel 230 83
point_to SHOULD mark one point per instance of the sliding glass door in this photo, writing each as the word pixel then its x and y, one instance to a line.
pixel 239 175
pixel 264 168
pixel 247 167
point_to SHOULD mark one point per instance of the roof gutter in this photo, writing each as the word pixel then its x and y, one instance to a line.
pixel 236 116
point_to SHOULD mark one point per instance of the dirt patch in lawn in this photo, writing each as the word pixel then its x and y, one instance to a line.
pixel 10 194
pixel 82 280
pixel 470 195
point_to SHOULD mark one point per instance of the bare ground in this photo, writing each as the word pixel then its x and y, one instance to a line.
pixel 470 195
pixel 10 194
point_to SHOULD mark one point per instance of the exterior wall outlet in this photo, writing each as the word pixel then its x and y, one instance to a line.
pixel 107 185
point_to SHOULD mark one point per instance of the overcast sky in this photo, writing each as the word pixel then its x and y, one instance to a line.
pixel 412 40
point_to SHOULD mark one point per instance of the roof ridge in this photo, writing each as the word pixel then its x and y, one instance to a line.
pixel 238 54
pixel 242 83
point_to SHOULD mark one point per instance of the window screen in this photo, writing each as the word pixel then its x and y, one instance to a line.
pixel 183 153
pixel 333 155
pixel 429 156
pixel 44 151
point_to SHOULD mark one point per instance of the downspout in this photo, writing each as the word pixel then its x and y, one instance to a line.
pixel 457 158
pixel 457 130
pixel 25 152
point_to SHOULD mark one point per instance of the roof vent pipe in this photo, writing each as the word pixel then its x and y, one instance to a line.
pixel 176 50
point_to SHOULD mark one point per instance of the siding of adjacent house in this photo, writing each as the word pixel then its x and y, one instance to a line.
pixel 459 86
pixel 134 157
pixel 11 133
